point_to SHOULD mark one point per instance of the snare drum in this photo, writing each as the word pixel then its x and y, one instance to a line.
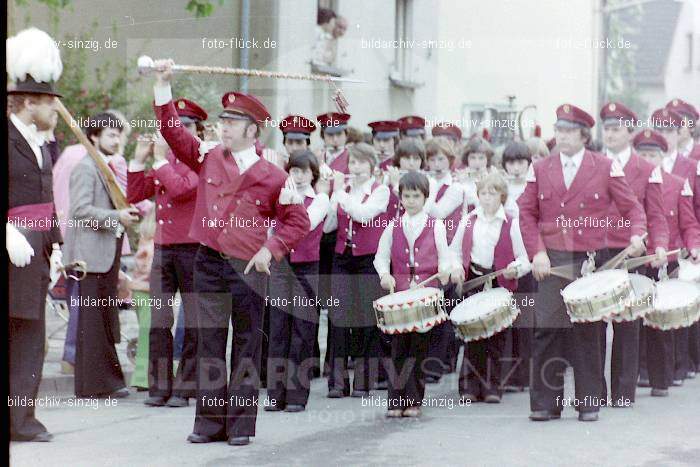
pixel 641 300
pixel 484 314
pixel 677 305
pixel 410 310
pixel 597 296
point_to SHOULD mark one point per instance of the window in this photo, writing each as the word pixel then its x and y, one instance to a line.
pixel 402 73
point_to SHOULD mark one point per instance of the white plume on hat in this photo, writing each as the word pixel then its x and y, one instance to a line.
pixel 33 52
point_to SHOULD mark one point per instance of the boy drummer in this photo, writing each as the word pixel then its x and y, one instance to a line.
pixel 411 249
pixel 487 240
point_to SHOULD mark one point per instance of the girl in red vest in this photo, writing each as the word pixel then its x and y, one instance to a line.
pixel 292 298
pixel 487 240
pixel 411 249
pixel 358 210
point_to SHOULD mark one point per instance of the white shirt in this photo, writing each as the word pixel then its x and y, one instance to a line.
pixel 485 236
pixel 452 199
pixel 514 192
pixel 318 208
pixel 363 212
pixel 245 159
pixel 669 161
pixel 412 227
pixel 685 151
pixel 622 157
pixel 32 136
pixel 570 166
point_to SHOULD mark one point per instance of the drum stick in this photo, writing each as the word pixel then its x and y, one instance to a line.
pixel 429 279
pixel 615 261
pixel 474 283
pixel 636 262
pixel 563 272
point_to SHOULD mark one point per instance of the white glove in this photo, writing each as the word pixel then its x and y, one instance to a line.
pixel 289 194
pixel 205 147
pixel 18 248
pixel 55 263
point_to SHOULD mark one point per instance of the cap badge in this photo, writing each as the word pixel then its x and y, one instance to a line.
pixel 675 102
pixel 181 104
pixel 231 98
pixel 647 133
pixel 612 107
pixel 665 113
pixel 567 109
pixel 409 120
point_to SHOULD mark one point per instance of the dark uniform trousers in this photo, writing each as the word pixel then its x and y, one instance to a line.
pixel 656 352
pixel 558 343
pixel 293 323
pixel 480 374
pixel 518 367
pixel 624 360
pixel 352 324
pixel 97 367
pixel 694 346
pixel 442 341
pixel 405 374
pixel 681 352
pixel 172 270
pixel 26 337
pixel 325 272
pixel 225 294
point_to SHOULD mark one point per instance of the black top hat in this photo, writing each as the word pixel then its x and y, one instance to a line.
pixel 31 86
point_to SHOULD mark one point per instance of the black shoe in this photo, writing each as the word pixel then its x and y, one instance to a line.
pixel 381 386
pixel 691 374
pixel 294 408
pixel 492 399
pixel 659 392
pixel 357 393
pixel 335 394
pixel 199 439
pixel 119 393
pixel 239 440
pixel 177 401
pixel 544 415
pixel 273 408
pixel 468 397
pixel 513 388
pixel 154 401
pixel 643 383
pixel 677 382
pixel 588 416
pixel 432 379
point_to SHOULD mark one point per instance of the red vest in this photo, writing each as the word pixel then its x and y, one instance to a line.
pixel 340 163
pixel 365 238
pixel 395 210
pixel 425 255
pixel 502 255
pixel 452 220
pixel 308 249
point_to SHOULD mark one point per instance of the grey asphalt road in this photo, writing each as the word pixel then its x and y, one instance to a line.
pixel 656 431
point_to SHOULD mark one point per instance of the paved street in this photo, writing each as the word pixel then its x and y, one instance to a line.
pixel 342 432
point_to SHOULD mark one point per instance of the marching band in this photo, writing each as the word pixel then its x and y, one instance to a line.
pixel 416 246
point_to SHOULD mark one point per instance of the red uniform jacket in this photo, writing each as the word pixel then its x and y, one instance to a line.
pixel 678 208
pixel 175 188
pixel 688 169
pixel 695 153
pixel 233 212
pixel 649 192
pixel 552 217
